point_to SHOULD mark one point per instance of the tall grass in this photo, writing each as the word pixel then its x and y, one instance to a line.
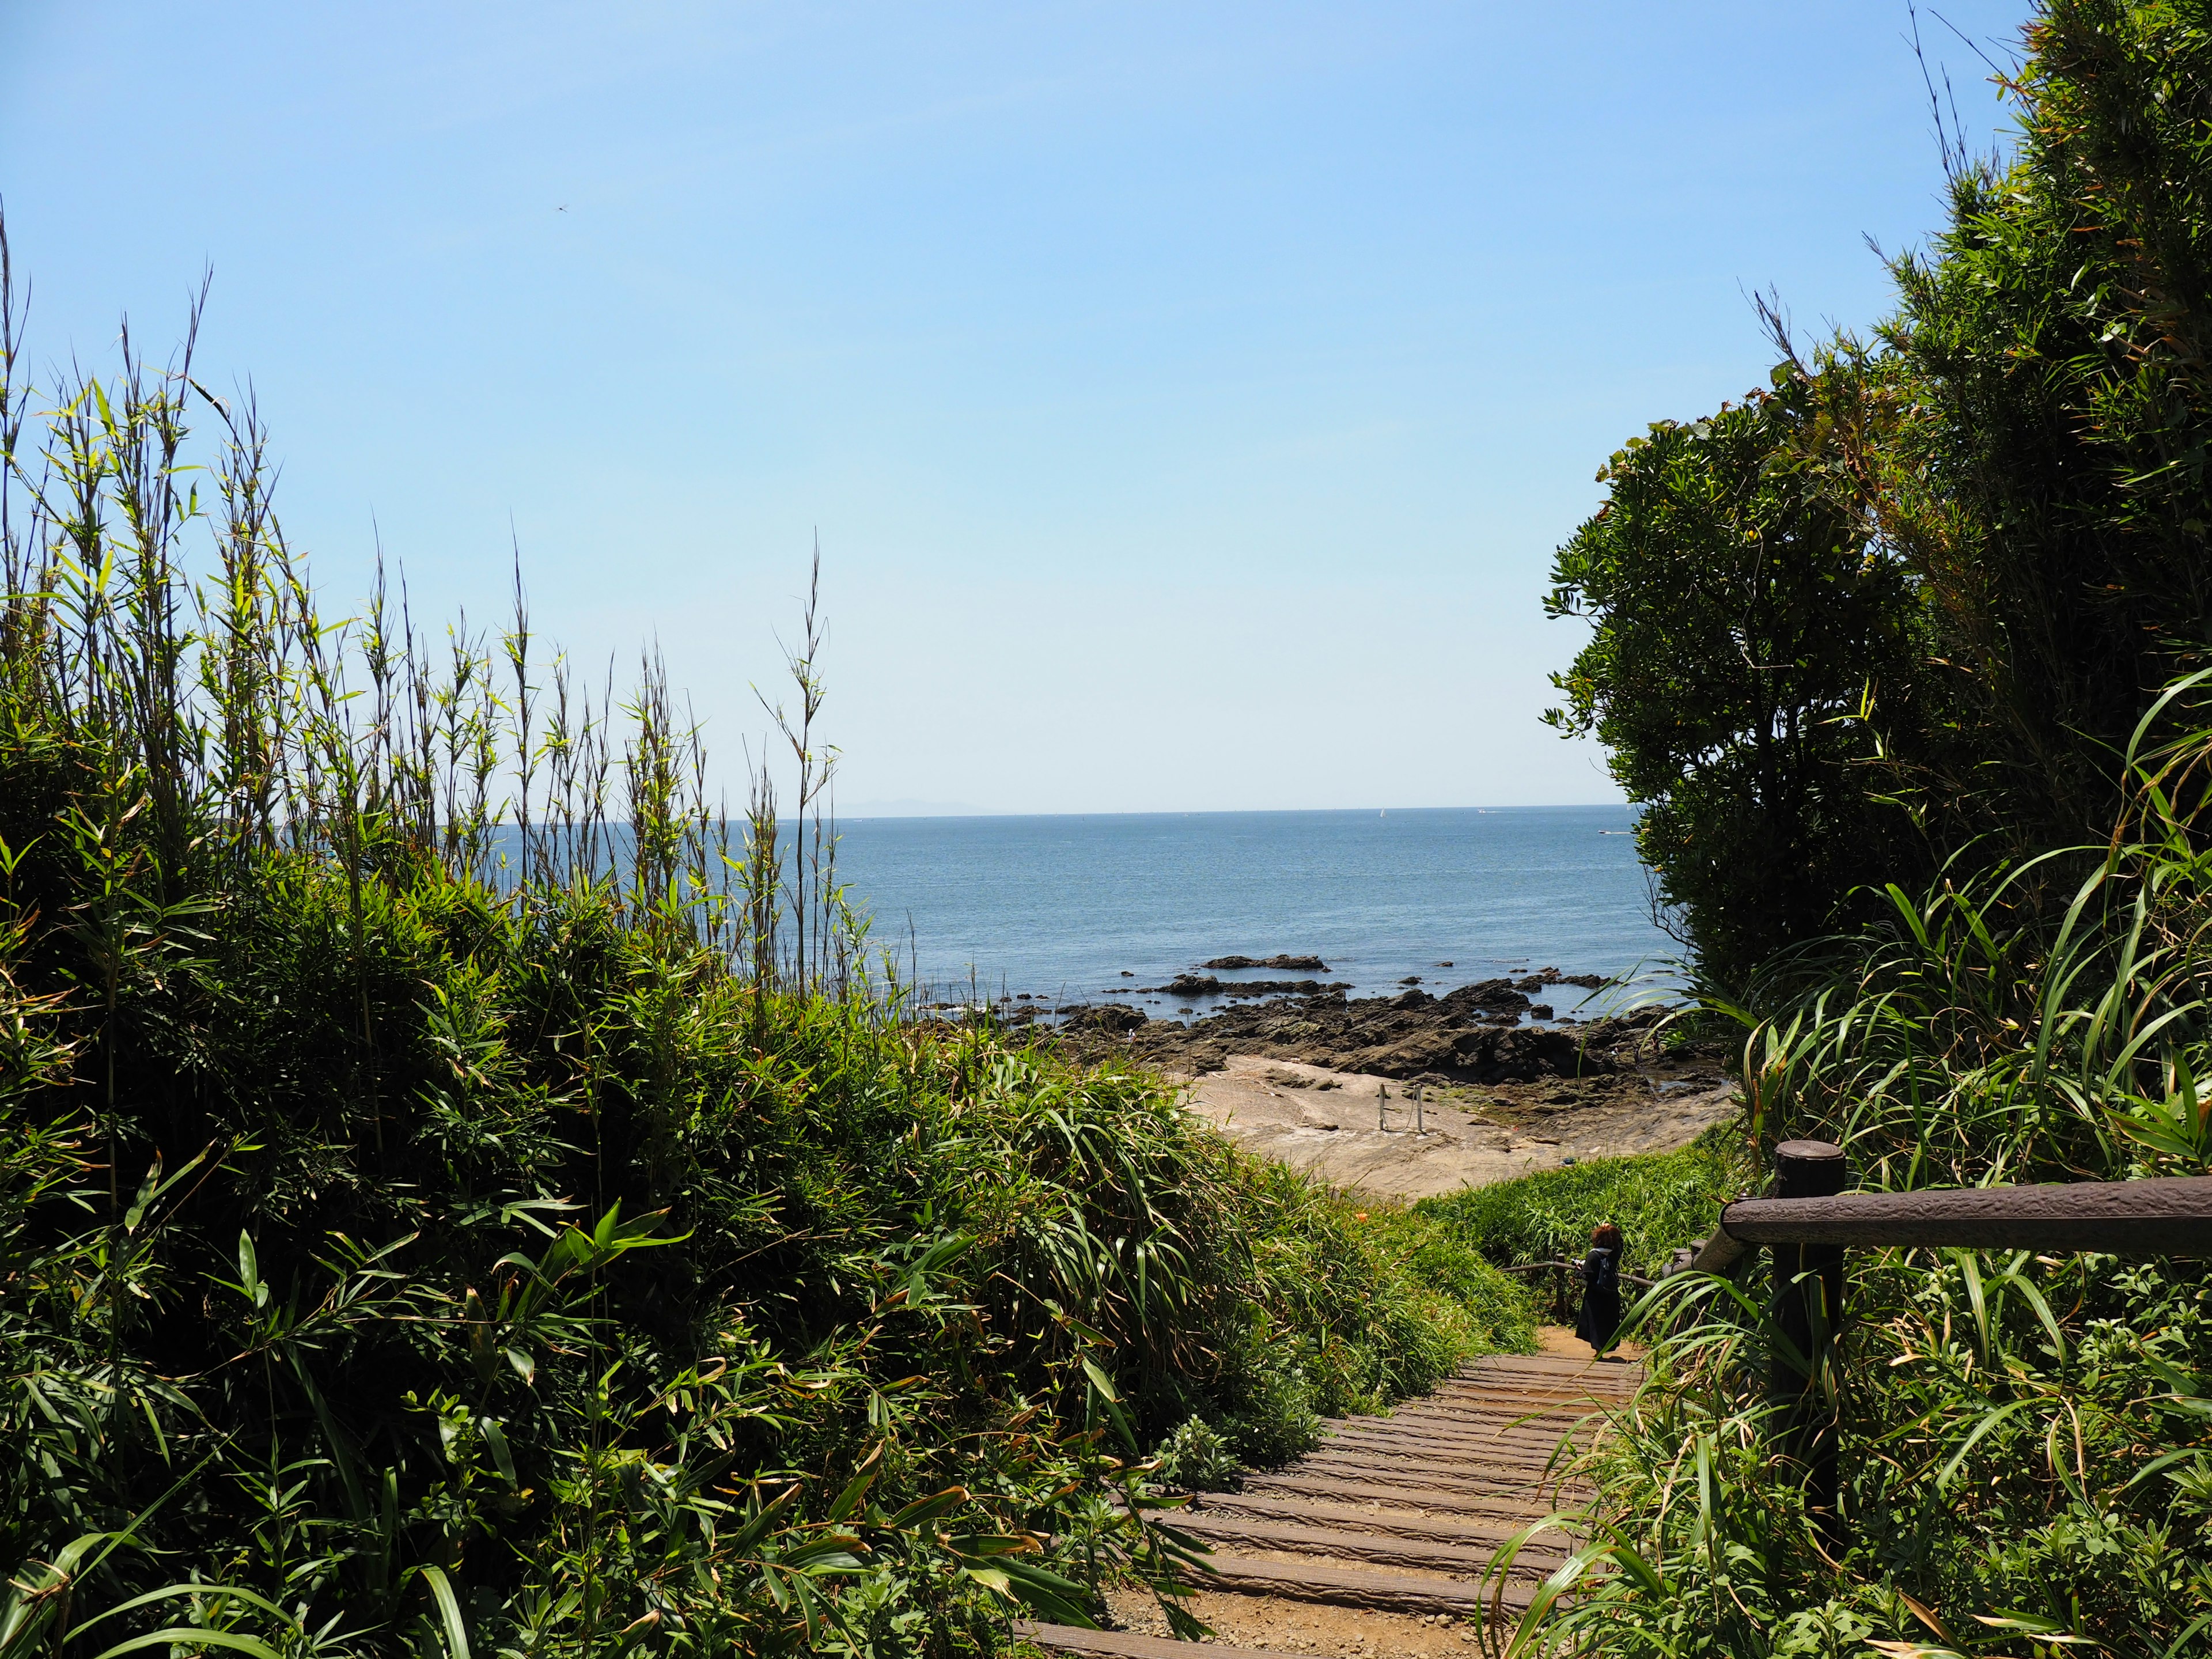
pixel 1660 1201
pixel 462 1190
pixel 2028 1446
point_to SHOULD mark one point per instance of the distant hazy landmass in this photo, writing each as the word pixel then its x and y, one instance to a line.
pixel 910 809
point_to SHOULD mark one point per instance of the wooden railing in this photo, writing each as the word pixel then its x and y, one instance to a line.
pixel 1559 1285
pixel 1810 1221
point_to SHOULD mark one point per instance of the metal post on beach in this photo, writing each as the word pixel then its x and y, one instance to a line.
pixel 1420 1122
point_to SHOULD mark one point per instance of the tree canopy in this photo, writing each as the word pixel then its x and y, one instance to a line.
pixel 1906 606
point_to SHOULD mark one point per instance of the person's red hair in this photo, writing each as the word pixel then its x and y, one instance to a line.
pixel 1605 1235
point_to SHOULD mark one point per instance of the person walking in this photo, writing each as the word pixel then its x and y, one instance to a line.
pixel 1601 1272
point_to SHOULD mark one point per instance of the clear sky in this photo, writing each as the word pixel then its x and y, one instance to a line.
pixel 1189 396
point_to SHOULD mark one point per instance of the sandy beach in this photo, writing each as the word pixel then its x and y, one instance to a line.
pixel 1360 1131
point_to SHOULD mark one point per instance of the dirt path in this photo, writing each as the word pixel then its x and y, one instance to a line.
pixel 1378 1540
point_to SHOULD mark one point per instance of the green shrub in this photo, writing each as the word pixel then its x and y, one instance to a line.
pixel 1660 1201
pixel 2023 1432
pixel 1195 1455
pixel 438 1222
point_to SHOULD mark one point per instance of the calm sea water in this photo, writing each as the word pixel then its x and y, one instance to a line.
pixel 1060 907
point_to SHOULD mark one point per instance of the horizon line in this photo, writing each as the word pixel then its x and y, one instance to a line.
pixel 875 810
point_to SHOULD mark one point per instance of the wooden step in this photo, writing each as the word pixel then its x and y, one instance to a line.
pixel 1491 1409
pixel 1542 1385
pixel 1359 1587
pixel 1458 1494
pixel 1485 1536
pixel 1470 1455
pixel 1547 1425
pixel 1477 1415
pixel 1469 1431
pixel 1536 1448
pixel 1612 1384
pixel 1561 1398
pixel 1534 1371
pixel 1128 1644
pixel 1346 1545
pixel 1565 1384
pixel 1430 1433
pixel 1520 1469
pixel 1546 1361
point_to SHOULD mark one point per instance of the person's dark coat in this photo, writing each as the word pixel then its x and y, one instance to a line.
pixel 1600 1313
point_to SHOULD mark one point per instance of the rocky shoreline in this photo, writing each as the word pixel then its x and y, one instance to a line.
pixel 1478 1033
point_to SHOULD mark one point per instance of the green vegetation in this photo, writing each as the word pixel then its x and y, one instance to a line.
pixel 2026 1453
pixel 1912 598
pixel 459 1192
pixel 1490 1310
pixel 1661 1201
pixel 1906 657
pixel 1744 609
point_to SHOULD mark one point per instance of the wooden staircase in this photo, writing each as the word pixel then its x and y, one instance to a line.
pixel 1379 1540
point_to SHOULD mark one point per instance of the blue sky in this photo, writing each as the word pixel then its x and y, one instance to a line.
pixel 1188 397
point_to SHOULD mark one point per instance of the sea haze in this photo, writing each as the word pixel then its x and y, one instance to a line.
pixel 1060 907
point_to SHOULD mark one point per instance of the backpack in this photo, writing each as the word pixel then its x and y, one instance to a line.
pixel 1601 1271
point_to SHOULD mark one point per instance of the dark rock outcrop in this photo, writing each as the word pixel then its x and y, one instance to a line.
pixel 1474 1034
pixel 1109 1020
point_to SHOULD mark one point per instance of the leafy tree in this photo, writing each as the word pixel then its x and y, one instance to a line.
pixel 1745 620
pixel 1905 611
pixel 2046 477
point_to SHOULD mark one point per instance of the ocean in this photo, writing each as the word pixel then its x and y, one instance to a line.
pixel 1069 908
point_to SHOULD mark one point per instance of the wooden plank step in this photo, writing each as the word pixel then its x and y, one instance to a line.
pixel 1491 1409
pixel 1525 1372
pixel 1128 1644
pixel 1452 1493
pixel 1487 1401
pixel 1541 1379
pixel 1485 1534
pixel 1555 1394
pixel 1478 1455
pixel 1360 1587
pixel 1545 1362
pixel 1533 1389
pixel 1369 1548
pixel 1437 1471
pixel 1540 1384
pixel 1465 1423
pixel 1527 1408
pixel 1466 1497
pixel 1454 1422
pixel 1498 1452
pixel 1426 1434
pixel 1479 1459
pixel 1475 1442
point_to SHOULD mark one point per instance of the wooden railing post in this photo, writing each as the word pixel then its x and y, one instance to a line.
pixel 1810 1222
pixel 1804 1387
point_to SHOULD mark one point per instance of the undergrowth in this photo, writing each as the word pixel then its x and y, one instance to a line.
pixel 463 1190
pixel 1908 650
pixel 2027 1437
pixel 1660 1201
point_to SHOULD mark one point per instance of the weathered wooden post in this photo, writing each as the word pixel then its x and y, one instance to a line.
pixel 1804 1386
pixel 1810 1221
